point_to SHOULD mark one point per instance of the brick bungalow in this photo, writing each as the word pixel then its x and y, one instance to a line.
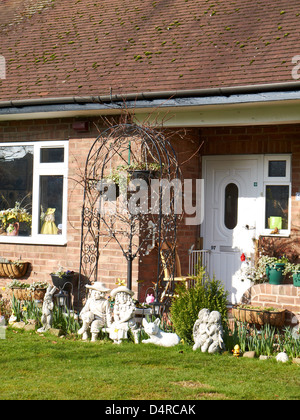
pixel 225 72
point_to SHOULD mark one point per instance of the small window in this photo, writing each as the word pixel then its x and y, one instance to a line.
pixel 277 168
pixel 277 207
pixel 231 206
pixel 52 154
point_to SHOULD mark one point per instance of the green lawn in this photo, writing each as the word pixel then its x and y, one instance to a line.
pixel 37 367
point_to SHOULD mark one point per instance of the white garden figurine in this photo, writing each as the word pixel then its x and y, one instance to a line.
pixel 157 336
pixel 47 309
pixel 200 333
pixel 124 316
pixel 208 332
pixel 96 313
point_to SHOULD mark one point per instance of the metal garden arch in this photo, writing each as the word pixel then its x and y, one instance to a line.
pixel 129 197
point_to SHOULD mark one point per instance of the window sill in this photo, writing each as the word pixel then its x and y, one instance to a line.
pixel 58 240
pixel 282 234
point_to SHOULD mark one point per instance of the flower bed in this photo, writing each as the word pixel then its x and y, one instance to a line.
pixel 259 315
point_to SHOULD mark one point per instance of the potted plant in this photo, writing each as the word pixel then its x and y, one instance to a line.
pixel 13 269
pixel 26 291
pixel 272 267
pixel 116 179
pixel 259 315
pixel 12 218
pixel 142 170
pixel 293 269
pixel 60 277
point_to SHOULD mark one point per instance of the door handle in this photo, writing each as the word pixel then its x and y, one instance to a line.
pixel 248 227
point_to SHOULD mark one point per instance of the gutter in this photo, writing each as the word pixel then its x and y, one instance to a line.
pixel 109 99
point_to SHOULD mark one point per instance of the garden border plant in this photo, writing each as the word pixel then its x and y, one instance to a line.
pixel 207 293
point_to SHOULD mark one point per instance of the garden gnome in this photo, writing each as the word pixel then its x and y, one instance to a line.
pixel 124 312
pixel 47 309
pixel 96 313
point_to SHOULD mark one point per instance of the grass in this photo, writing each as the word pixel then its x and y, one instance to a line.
pixel 35 367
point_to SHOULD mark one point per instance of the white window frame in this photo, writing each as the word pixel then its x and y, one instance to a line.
pixel 40 169
pixel 277 181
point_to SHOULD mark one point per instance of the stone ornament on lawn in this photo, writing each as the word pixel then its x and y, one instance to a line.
pixel 96 313
pixel 124 316
pixel 157 336
pixel 208 332
pixel 47 309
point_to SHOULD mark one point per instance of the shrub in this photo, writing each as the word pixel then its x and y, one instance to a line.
pixel 207 293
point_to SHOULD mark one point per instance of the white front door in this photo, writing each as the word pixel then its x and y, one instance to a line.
pixel 233 187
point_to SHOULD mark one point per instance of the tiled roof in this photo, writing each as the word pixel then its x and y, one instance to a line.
pixel 58 48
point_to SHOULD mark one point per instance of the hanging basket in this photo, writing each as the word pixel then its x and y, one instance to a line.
pixel 259 316
pixel 13 270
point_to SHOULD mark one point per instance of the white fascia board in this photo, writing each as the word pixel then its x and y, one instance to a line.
pixel 238 109
pixel 287 112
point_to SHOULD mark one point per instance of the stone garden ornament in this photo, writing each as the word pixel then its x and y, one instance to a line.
pixel 123 316
pixel 47 309
pixel 208 332
pixel 96 313
pixel 157 336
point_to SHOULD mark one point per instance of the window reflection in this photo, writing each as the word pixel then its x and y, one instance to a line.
pixel 16 177
pixel 277 168
pixel 231 206
pixel 51 195
pixel 277 201
pixel 52 154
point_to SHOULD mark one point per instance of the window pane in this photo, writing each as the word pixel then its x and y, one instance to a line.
pixel 231 206
pixel 52 154
pixel 51 196
pixel 16 177
pixel 277 168
pixel 277 201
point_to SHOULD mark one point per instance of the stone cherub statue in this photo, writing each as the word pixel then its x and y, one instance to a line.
pixel 124 312
pixel 208 332
pixel 47 309
pixel 96 313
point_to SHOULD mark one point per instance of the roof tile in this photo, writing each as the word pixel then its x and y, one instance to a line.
pixel 57 48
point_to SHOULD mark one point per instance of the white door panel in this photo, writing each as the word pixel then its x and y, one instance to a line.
pixel 230 218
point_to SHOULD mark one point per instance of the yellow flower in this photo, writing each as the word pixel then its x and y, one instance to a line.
pixel 24 308
pixel 120 282
pixel 3 288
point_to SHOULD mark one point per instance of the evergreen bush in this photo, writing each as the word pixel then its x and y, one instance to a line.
pixel 207 293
